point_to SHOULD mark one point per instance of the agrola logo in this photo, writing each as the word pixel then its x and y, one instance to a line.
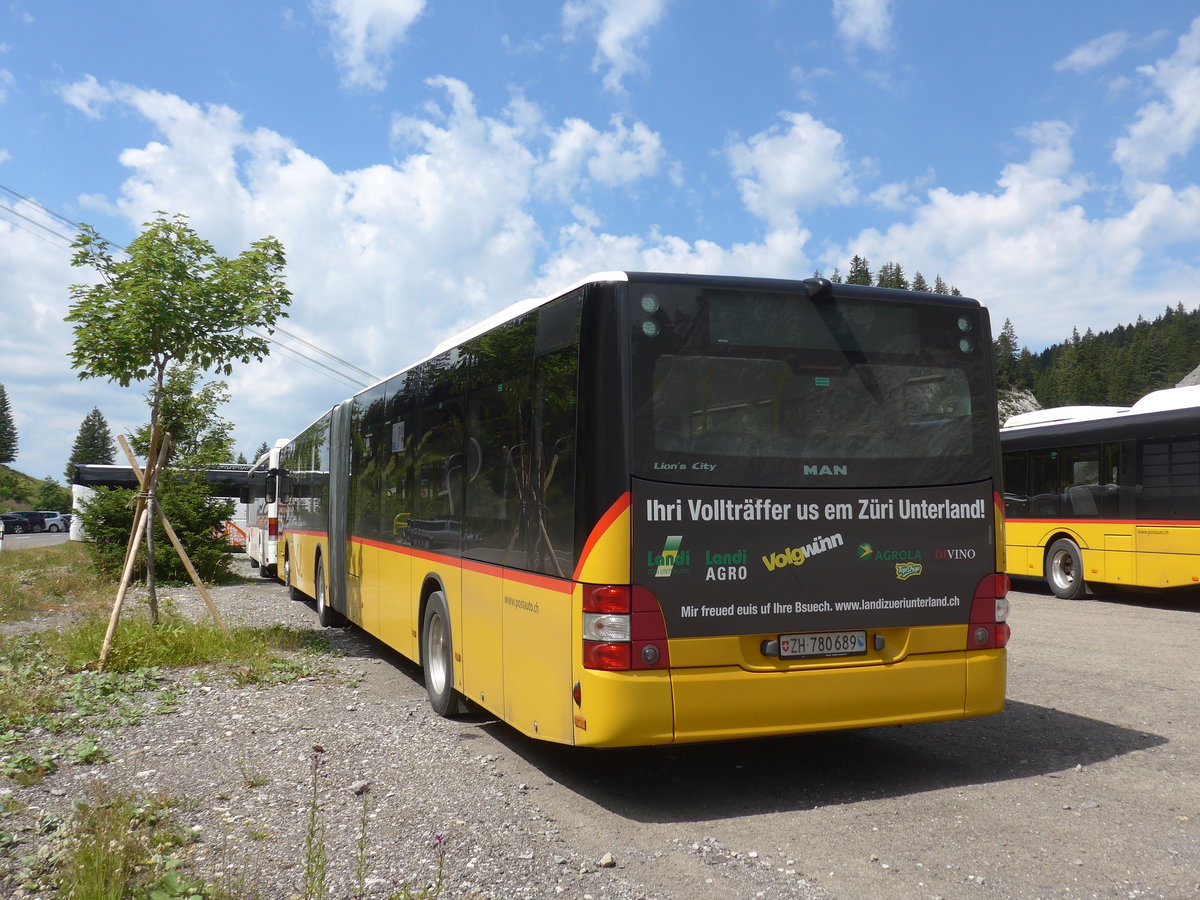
pixel 868 553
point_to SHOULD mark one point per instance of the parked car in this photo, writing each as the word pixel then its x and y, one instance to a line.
pixel 56 521
pixel 35 520
pixel 14 524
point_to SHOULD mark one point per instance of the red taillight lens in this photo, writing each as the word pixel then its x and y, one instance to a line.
pixel 612 657
pixel 273 527
pixel 607 599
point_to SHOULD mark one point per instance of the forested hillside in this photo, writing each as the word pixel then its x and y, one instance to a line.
pixel 1112 368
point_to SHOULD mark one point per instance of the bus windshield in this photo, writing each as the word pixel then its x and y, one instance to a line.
pixel 783 389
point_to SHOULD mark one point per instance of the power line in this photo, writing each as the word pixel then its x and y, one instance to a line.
pixel 76 227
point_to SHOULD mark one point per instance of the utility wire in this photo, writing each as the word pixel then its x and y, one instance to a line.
pixel 306 360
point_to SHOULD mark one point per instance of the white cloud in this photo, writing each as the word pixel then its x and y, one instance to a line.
pixel 1167 128
pixel 365 33
pixel 1094 54
pixel 620 27
pixel 7 80
pixel 87 95
pixel 865 22
pixel 799 165
pixel 1032 253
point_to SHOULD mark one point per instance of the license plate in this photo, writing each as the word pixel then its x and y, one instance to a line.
pixel 823 643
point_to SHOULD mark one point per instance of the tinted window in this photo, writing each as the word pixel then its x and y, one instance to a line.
pixel 736 388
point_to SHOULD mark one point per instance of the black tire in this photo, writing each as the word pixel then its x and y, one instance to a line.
pixel 327 616
pixel 294 592
pixel 1064 570
pixel 437 656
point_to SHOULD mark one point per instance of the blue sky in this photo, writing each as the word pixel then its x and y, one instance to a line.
pixel 426 163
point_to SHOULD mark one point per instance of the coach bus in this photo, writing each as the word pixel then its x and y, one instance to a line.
pixel 260 499
pixel 664 508
pixel 1105 495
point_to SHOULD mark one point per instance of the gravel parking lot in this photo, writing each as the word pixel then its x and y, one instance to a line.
pixel 1088 785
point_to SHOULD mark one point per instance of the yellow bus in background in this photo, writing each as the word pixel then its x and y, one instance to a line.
pixel 664 508
pixel 1105 495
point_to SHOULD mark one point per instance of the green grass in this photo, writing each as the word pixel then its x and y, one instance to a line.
pixel 49 579
pixel 55 705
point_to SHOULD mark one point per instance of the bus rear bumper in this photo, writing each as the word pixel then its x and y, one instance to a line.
pixel 720 704
pixel 727 702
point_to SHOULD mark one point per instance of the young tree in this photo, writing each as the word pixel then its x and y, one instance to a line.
pixel 94 444
pixel 171 301
pixel 189 412
pixel 264 447
pixel 8 430
pixel 919 283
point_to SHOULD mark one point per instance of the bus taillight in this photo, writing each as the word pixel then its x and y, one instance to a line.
pixel 623 628
pixel 273 527
pixel 988 628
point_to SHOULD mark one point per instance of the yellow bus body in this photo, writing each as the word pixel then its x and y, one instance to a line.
pixel 1126 553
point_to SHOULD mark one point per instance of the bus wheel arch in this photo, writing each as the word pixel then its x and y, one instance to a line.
pixel 1064 569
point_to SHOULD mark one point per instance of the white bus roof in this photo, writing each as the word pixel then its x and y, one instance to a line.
pixel 517 309
pixel 1155 401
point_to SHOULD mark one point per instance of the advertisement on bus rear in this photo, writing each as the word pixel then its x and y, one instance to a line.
pixel 727 561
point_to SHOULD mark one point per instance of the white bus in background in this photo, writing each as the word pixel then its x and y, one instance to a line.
pixel 260 500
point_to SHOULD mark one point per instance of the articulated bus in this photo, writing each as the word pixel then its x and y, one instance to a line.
pixel 665 508
pixel 261 500
pixel 1105 495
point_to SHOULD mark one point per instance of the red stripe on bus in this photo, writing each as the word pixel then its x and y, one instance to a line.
pixel 1129 523
pixel 533 579
pixel 606 522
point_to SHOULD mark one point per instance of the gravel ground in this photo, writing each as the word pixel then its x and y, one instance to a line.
pixel 427 792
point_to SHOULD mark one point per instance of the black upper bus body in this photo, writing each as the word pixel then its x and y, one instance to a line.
pixel 796 456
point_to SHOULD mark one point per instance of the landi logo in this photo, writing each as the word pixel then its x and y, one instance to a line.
pixel 907 570
pixel 671 559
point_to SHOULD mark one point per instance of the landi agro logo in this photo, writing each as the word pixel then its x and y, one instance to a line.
pixel 795 556
pixel 907 570
pixel 671 560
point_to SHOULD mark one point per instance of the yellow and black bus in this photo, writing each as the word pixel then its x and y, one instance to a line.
pixel 1105 495
pixel 664 508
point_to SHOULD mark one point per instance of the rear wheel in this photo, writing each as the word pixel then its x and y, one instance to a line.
pixel 294 592
pixel 437 656
pixel 1064 569
pixel 326 614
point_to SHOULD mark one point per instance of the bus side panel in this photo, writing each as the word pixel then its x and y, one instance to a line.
pixel 537 657
pixel 1166 555
pixel 483 636
pixel 395 622
pixel 304 547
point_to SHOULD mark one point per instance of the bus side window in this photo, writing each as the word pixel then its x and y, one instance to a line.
pixel 1016 484
pixel 1043 484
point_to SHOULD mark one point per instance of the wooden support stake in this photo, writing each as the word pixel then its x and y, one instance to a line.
pixel 184 558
